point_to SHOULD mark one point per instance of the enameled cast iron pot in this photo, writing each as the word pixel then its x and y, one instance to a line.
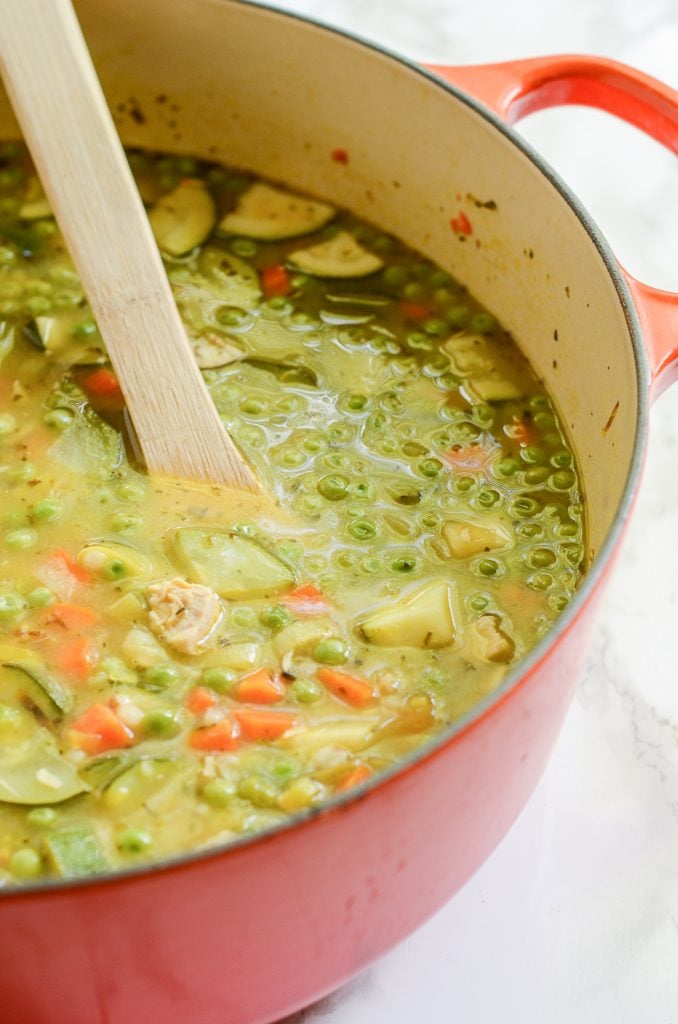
pixel 255 931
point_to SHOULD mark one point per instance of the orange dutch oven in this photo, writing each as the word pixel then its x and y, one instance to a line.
pixel 249 933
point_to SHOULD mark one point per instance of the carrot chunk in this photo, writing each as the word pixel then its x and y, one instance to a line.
pixel 265 725
pixel 200 699
pixel 103 383
pixel 357 775
pixel 260 687
pixel 76 617
pixel 73 567
pixel 306 600
pixel 101 730
pixel 225 735
pixel 352 689
pixel 275 281
pixel 76 658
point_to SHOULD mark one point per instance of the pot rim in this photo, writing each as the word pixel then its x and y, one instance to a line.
pixel 521 673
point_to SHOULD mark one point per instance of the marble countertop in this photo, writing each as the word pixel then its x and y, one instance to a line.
pixel 574 918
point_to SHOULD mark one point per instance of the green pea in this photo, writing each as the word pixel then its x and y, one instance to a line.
pixel 479 602
pixel 218 793
pixel 244 247
pixel 123 522
pixel 539 402
pixel 536 475
pixel 306 691
pixel 430 467
pixel 333 487
pixel 25 863
pixel 7 255
pixel 507 466
pixel 463 484
pixel 562 459
pixel 58 419
pixel 134 841
pixel 395 276
pixel 12 605
pixel 534 455
pixel 414 290
pixel 458 316
pixel 362 529
pixel 568 530
pixel 558 602
pixel 279 304
pixel 160 723
pixel 435 326
pixel 243 618
pixel 131 490
pixel 9 308
pixel 159 677
pixel 291 458
pixel 540 558
pixel 419 341
pixel 114 569
pixel 488 498
pixel 370 564
pixel 219 678
pixel 84 330
pixel 275 618
pixel 40 597
pixel 47 510
pixel 529 530
pixel 331 651
pixel 258 790
pixel 232 316
pixel 60 273
pixel 7 424
pixel 540 581
pixel 447 381
pixel 10 177
pixel 37 305
pixel 404 565
pixel 525 506
pixel 21 540
pixel 252 406
pixel 488 566
pixel 562 480
pixel 439 279
pixel 482 323
pixel 41 817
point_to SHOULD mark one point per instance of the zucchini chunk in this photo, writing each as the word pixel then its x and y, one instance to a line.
pixel 466 539
pixel 341 256
pixel 131 787
pixel 236 567
pixel 272 214
pixel 75 852
pixel 183 218
pixel 420 618
pixel 33 772
pixel 114 561
pixel 24 682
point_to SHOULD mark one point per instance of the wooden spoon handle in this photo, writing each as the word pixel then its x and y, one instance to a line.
pixel 59 103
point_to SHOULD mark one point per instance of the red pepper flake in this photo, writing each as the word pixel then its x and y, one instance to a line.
pixel 340 156
pixel 275 281
pixel 461 225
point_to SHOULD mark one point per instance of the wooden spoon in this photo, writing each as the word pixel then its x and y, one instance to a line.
pixel 58 101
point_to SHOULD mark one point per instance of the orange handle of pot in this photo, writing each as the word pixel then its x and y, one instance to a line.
pixel 516 88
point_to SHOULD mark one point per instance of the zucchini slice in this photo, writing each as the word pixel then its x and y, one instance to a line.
pixel 131 787
pixel 25 683
pixel 272 214
pixel 34 772
pixel 75 852
pixel 421 618
pixel 54 336
pixel 341 256
pixel 183 218
pixel 236 567
pixel 212 350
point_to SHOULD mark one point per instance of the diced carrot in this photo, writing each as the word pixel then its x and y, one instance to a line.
pixel 102 383
pixel 357 775
pixel 260 687
pixel 352 689
pixel 76 617
pixel 522 431
pixel 470 456
pixel 275 281
pixel 415 310
pixel 339 155
pixel 200 699
pixel 73 567
pixel 100 729
pixel 306 600
pixel 264 725
pixel 224 735
pixel 76 658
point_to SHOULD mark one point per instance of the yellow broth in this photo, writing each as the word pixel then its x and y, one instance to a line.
pixel 177 667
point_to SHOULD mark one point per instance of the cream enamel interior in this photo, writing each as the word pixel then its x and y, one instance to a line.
pixel 258 89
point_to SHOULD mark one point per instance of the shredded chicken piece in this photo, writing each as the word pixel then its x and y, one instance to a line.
pixel 183 614
pixel 491 643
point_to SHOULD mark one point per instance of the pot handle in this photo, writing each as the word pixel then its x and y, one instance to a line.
pixel 515 89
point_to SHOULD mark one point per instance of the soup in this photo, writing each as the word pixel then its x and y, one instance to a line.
pixel 177 668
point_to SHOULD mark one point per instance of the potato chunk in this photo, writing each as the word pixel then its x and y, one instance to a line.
pixel 490 642
pixel 183 614
pixel 466 539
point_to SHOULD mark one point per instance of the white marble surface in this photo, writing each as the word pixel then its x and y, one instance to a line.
pixel 574 919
